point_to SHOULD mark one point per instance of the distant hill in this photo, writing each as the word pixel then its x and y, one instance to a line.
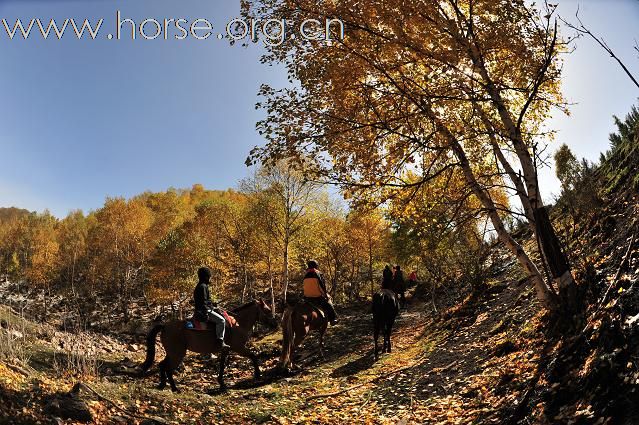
pixel 8 214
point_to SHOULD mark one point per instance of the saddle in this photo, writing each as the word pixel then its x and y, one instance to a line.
pixel 316 308
pixel 199 325
pixel 388 292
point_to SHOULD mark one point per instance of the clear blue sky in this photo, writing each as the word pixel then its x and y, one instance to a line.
pixel 593 81
pixel 82 120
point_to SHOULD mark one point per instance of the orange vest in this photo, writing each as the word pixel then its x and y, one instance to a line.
pixel 312 288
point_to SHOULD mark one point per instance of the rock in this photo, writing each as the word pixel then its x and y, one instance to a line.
pixel 69 406
pixel 153 421
pixel 16 334
pixel 504 348
pixel 117 419
pixel 127 362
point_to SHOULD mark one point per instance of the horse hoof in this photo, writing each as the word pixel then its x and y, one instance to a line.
pixel 161 387
pixel 176 390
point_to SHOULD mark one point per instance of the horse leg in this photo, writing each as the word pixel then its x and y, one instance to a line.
pixel 162 369
pixel 245 352
pixel 174 388
pixel 172 364
pixel 299 336
pixel 386 347
pixel 321 339
pixel 389 329
pixel 376 336
pixel 220 377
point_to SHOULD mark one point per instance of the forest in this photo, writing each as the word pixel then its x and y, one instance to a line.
pixel 416 141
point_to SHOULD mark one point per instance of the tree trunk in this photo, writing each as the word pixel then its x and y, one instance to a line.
pixel 270 281
pixel 555 257
pixel 370 267
pixel 545 293
pixel 245 285
pixel 285 268
pixel 73 276
pixel 550 246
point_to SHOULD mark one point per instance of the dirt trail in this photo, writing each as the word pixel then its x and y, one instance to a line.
pixel 469 368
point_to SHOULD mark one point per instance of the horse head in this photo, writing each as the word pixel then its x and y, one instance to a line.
pixel 265 314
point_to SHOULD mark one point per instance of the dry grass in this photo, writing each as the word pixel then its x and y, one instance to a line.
pixel 15 334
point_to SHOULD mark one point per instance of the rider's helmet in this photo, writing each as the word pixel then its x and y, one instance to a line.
pixel 312 264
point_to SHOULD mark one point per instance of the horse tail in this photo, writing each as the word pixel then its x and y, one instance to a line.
pixel 288 336
pixel 150 347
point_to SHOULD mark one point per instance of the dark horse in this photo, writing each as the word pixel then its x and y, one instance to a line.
pixel 177 339
pixel 297 322
pixel 385 309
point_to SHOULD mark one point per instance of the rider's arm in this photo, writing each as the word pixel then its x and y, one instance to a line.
pixel 207 299
pixel 199 298
pixel 322 283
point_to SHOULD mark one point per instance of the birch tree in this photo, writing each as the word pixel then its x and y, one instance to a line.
pixel 425 86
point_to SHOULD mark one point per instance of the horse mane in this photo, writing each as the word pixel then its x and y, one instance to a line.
pixel 243 306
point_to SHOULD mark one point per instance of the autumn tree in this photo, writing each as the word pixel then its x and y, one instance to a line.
pixel 120 248
pixel 290 198
pixel 72 238
pixel 198 242
pixel 9 254
pixel 442 226
pixel 368 234
pixel 239 232
pixel 427 86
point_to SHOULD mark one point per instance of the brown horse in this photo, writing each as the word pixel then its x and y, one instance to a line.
pixel 297 322
pixel 177 339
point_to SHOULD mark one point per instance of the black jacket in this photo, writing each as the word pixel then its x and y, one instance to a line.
pixel 387 279
pixel 399 285
pixel 202 298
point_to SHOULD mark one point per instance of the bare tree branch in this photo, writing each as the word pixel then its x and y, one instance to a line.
pixel 583 30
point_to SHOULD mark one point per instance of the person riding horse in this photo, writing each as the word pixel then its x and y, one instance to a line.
pixel 205 309
pixel 387 278
pixel 399 285
pixel 315 291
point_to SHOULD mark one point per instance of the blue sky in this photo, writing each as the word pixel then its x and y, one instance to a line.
pixel 593 82
pixel 82 120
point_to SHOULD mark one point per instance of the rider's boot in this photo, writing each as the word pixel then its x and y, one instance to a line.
pixel 223 344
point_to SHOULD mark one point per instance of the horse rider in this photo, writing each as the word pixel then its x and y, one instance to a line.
pixel 387 278
pixel 315 291
pixel 205 309
pixel 412 278
pixel 399 285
